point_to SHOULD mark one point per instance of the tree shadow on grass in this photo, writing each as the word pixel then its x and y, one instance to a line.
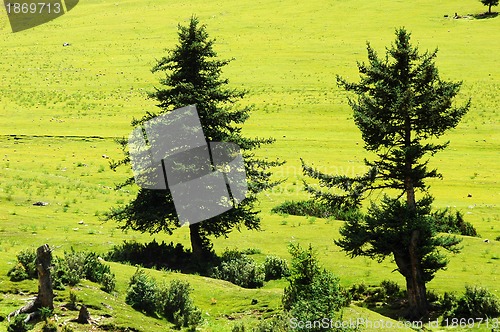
pixel 485 15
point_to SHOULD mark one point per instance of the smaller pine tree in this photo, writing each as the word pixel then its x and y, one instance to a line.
pixel 313 293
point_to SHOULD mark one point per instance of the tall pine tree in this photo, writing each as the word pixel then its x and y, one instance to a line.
pixel 193 76
pixel 402 108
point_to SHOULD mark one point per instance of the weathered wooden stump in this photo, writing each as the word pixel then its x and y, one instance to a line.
pixel 84 315
pixel 45 297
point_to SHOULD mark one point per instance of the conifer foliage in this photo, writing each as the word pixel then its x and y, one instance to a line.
pixel 402 107
pixel 192 75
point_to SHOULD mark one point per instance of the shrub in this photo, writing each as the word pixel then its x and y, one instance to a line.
pixel 18 324
pixel 176 305
pixel 359 291
pixel 477 302
pixel 80 265
pixel 238 327
pixel 448 304
pixel 313 293
pixel 68 270
pixel 275 268
pixel 432 296
pixel 142 293
pixel 45 313
pixel 237 268
pixel 303 208
pixel 376 294
pixel 93 269
pixel 108 282
pixel 251 251
pixel 151 255
pixel 73 267
pixel 73 299
pixel 18 273
pixel 28 259
pixel 391 288
pixel 316 209
pixel 26 267
pixel 56 274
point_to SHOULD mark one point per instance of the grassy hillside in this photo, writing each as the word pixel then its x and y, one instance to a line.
pixel 62 107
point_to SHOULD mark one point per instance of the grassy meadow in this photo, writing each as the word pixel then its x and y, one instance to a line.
pixel 61 108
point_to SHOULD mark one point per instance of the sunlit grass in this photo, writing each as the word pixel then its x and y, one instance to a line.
pixel 62 107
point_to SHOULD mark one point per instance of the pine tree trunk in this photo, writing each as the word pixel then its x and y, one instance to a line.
pixel 196 242
pixel 415 284
pixel 408 263
pixel 489 9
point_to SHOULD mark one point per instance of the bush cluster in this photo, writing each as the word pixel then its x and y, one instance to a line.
pixel 18 324
pixel 387 291
pixel 67 270
pixel 176 305
pixel 239 269
pixel 236 267
pixel 171 301
pixel 142 293
pixel 151 255
pixel 82 265
pixel 317 209
pixel 476 302
pixel 25 268
pixel 275 268
pixel 313 292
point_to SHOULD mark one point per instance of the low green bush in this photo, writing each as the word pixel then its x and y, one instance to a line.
pixel 176 305
pixel 275 268
pixel 317 209
pixel 108 282
pixel 67 270
pixel 476 302
pixel 359 291
pixel 239 269
pixel 18 273
pixel 151 255
pixel 142 293
pixel 171 301
pixel 18 324
pixel 239 327
pixel 313 292
pixel 28 259
pixel 448 304
pixel 391 288
pixel 25 268
pixel 251 251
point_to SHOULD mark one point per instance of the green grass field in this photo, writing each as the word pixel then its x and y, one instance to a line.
pixel 62 107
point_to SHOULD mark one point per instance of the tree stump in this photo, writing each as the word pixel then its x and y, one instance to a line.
pixel 45 297
pixel 84 315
